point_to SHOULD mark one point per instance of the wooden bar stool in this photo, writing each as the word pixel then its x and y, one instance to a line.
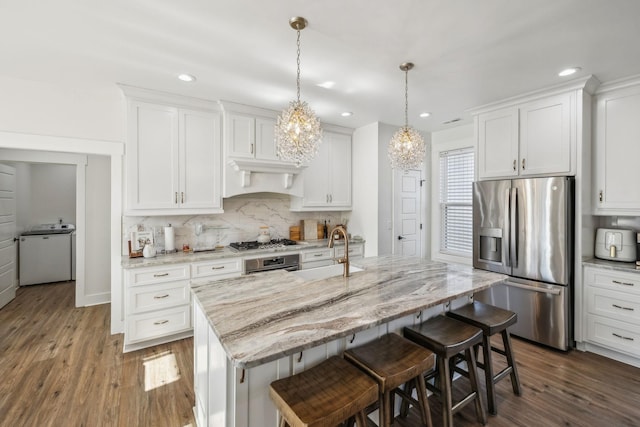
pixel 448 337
pixel 393 361
pixel 492 320
pixel 324 396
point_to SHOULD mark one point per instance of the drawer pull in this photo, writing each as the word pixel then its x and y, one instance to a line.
pixel 622 308
pixel 318 254
pixel 160 322
pixel 161 296
pixel 218 268
pixel 161 275
pixel 617 282
pixel 621 336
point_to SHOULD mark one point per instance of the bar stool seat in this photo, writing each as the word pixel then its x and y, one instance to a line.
pixel 492 320
pixel 393 361
pixel 448 337
pixel 324 396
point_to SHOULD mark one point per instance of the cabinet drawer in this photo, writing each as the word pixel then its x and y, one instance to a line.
pixel 617 335
pixel 155 297
pixel 221 268
pixel 315 264
pixel 146 326
pixel 168 273
pixel 355 251
pixel 320 254
pixel 613 304
pixel 614 280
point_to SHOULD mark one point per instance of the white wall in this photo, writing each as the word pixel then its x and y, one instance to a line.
pixel 52 194
pixel 364 216
pixel 23 196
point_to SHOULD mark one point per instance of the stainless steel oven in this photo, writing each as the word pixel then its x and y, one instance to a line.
pixel 289 262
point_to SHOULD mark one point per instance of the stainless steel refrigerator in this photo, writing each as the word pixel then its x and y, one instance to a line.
pixel 524 228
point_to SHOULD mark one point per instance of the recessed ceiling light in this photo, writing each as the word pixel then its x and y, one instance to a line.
pixel 187 77
pixel 568 71
pixel 425 114
pixel 347 114
pixel 327 85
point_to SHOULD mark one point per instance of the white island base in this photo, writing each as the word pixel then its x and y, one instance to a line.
pixel 227 396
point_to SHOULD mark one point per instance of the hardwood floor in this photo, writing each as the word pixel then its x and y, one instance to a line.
pixel 59 366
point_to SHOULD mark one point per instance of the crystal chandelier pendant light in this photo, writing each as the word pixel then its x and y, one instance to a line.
pixel 407 147
pixel 298 133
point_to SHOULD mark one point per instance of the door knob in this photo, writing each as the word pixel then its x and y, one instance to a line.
pixel 400 237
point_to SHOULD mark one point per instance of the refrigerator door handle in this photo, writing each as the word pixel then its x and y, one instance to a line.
pixel 513 227
pixel 542 290
pixel 506 248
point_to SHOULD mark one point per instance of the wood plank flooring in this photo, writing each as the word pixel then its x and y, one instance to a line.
pixel 59 366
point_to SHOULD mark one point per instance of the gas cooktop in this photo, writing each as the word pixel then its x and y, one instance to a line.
pixel 273 244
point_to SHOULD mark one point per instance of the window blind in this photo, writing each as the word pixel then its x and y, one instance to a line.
pixel 456 178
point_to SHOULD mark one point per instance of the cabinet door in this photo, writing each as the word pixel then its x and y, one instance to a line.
pixel 617 150
pixel 316 178
pixel 498 143
pixel 340 170
pixel 265 147
pixel 200 160
pixel 152 156
pixel 240 135
pixel 545 136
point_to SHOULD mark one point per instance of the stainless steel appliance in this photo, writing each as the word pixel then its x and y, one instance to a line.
pixel 289 262
pixel 524 228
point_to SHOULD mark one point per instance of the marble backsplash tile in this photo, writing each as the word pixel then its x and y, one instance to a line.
pixel 241 221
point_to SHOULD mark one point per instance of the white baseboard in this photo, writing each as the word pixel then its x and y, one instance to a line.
pixel 95 299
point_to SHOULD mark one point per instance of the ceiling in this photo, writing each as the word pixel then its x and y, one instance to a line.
pixel 466 52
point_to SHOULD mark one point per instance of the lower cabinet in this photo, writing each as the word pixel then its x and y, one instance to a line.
pixel 317 257
pixel 612 307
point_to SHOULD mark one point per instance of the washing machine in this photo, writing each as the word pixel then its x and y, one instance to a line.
pixel 46 254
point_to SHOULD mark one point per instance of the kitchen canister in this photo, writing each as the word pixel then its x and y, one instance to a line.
pixel 169 239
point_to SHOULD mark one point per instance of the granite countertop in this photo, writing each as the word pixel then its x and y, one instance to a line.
pixel 262 317
pixel 226 252
pixel 629 267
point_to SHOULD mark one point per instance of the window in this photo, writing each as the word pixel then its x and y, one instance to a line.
pixel 456 215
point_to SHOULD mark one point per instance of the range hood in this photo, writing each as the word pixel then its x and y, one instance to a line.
pixel 246 176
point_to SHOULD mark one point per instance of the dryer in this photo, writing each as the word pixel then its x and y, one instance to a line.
pixel 46 254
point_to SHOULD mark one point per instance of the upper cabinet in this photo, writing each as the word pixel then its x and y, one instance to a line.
pixel 173 155
pixel 327 178
pixel 528 139
pixel 617 150
pixel 250 137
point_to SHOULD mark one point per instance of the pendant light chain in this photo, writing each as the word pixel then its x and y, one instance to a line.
pixel 298 78
pixel 406 98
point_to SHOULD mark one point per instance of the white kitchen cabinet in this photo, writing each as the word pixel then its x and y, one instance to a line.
pixel 532 138
pixel 327 178
pixel 356 251
pixel 157 305
pixel 612 320
pixel 249 136
pixel 617 150
pixel 225 268
pixel 173 160
pixel 316 257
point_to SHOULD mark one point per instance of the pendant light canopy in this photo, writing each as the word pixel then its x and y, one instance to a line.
pixel 407 147
pixel 298 133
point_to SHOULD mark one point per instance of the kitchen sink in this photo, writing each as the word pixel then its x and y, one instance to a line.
pixel 320 273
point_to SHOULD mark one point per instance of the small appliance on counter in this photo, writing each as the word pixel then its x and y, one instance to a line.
pixel 616 244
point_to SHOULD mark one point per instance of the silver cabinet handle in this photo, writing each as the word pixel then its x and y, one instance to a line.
pixel 251 148
pixel 176 200
pixel 160 322
pixel 622 308
pixel 522 164
pixel 161 296
pixel 600 196
pixel 622 337
pixel 218 268
pixel 617 282
pixel 514 165
pixel 160 274
pixel 318 254
pixel 182 195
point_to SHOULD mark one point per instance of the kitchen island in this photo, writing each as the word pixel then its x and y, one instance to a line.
pixel 254 329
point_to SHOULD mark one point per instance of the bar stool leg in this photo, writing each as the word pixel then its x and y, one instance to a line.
pixel 473 378
pixel 445 383
pixel 515 381
pixel 488 374
pixel 424 403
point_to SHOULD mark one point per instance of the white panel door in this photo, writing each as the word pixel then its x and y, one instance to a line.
pixel 407 215
pixel 498 143
pixel 7 234
pixel 240 135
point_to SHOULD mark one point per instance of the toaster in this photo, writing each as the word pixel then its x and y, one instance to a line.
pixel 616 244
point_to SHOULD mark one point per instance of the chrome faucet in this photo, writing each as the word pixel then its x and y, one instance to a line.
pixel 345 259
